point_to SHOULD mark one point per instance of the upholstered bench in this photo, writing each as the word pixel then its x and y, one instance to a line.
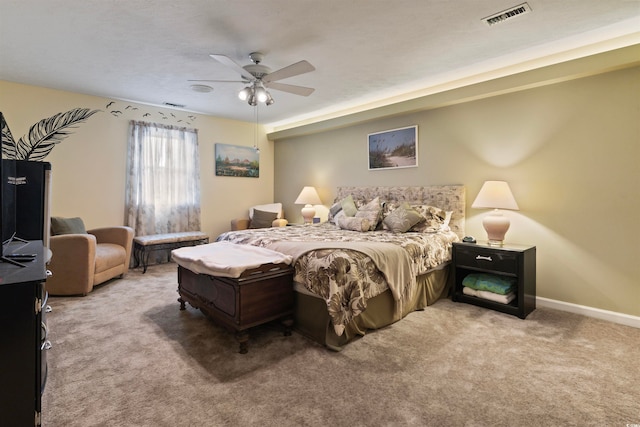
pixel 144 245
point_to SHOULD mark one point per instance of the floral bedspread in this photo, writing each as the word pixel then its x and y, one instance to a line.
pixel 347 278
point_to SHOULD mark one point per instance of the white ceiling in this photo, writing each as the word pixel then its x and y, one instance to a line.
pixel 363 50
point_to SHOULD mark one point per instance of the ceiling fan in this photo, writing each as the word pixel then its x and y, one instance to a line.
pixel 259 78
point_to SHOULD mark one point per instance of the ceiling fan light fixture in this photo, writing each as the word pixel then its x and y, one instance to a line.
pixel 255 93
pixel 261 94
pixel 244 93
pixel 269 100
pixel 257 77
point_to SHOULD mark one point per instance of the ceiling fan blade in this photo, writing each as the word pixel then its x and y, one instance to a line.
pixel 289 71
pixel 225 60
pixel 220 81
pixel 296 90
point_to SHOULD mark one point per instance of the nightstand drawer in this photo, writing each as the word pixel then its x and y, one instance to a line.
pixel 482 259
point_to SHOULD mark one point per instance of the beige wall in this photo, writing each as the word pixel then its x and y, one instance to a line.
pixel 570 152
pixel 89 165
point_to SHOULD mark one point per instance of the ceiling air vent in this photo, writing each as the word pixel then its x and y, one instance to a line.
pixel 507 14
pixel 171 104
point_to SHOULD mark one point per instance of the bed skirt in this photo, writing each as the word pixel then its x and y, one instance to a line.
pixel 311 317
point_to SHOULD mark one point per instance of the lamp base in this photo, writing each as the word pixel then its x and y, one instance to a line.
pixel 308 212
pixel 496 226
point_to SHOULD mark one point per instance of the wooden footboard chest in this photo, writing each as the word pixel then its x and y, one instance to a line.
pixel 258 296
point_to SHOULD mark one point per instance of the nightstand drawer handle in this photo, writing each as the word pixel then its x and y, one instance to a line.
pixel 486 258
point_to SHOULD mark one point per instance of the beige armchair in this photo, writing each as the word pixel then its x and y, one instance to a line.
pixel 80 261
pixel 261 216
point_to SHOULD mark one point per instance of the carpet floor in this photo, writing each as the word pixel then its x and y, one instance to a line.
pixel 125 355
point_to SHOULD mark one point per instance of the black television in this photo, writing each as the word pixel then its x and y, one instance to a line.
pixel 8 195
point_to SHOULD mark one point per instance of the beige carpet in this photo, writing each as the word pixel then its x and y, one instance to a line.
pixel 125 355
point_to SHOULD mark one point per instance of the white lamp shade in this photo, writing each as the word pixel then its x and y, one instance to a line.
pixel 495 195
pixel 308 197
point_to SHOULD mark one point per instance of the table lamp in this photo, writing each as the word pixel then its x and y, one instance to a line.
pixel 308 197
pixel 495 195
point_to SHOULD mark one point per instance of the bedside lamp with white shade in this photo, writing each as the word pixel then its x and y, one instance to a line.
pixel 495 195
pixel 308 197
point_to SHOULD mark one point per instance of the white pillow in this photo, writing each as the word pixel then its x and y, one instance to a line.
pixel 447 218
pixel 271 207
pixel 445 225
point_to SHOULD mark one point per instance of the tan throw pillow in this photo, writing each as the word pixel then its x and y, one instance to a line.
pixel 61 225
pixel 262 219
pixel 352 223
pixel 372 211
pixel 401 219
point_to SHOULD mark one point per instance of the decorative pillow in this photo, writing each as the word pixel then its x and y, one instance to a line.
pixel 390 207
pixel 339 215
pixel 262 219
pixel 387 209
pixel 67 226
pixel 271 207
pixel 447 218
pixel 434 219
pixel 348 206
pixel 402 218
pixel 334 210
pixel 352 223
pixel 371 211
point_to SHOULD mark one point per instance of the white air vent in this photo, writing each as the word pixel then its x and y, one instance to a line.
pixel 507 14
pixel 201 88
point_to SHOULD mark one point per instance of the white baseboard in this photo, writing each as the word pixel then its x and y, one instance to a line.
pixel 611 316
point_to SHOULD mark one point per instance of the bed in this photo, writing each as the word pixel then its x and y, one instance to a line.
pixel 354 275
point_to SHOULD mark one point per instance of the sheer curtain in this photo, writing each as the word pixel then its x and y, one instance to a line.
pixel 163 180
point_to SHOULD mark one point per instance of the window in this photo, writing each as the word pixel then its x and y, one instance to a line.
pixel 163 180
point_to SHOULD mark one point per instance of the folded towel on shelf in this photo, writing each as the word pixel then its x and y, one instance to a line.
pixel 490 282
pixel 504 299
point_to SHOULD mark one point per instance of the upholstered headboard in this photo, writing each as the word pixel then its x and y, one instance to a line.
pixel 447 197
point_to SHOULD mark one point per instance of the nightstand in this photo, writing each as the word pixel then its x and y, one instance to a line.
pixel 518 261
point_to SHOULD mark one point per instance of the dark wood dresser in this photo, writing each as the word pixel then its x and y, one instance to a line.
pixel 23 336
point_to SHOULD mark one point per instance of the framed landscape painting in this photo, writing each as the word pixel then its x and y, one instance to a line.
pixel 395 148
pixel 237 160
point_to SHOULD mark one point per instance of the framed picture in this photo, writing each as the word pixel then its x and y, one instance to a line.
pixel 237 160
pixel 392 149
